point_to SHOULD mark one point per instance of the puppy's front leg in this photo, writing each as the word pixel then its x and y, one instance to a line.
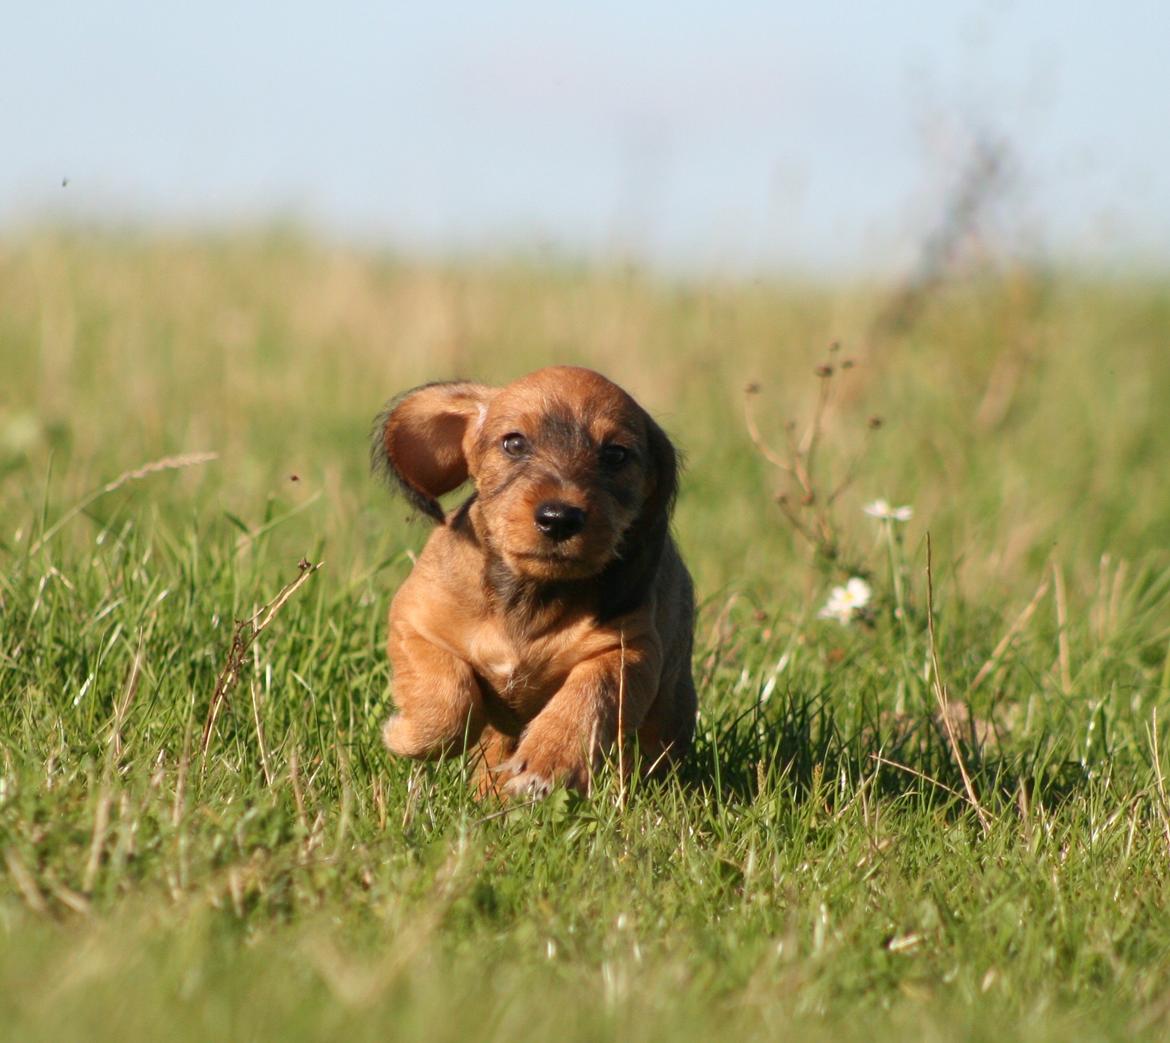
pixel 566 741
pixel 440 705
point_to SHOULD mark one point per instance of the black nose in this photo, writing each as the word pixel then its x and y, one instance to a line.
pixel 559 520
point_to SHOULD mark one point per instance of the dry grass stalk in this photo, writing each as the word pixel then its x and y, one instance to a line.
pixel 1012 633
pixel 940 693
pixel 917 774
pixel 380 802
pixel 166 463
pixel 798 466
pixel 1117 594
pixel 260 736
pixel 101 823
pixel 244 634
pixel 128 693
pixel 1163 807
pixel 621 725
pixel 343 819
pixel 808 511
pixel 1063 654
pixel 25 883
pixel 69 898
pixel 179 804
pixel 294 777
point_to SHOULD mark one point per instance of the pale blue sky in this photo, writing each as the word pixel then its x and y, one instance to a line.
pixel 711 136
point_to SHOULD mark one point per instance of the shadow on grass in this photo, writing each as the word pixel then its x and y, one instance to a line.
pixel 801 740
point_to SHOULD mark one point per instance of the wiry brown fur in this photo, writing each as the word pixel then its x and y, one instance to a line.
pixel 525 645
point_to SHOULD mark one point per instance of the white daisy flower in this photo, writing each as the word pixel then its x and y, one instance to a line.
pixel 846 602
pixel 882 509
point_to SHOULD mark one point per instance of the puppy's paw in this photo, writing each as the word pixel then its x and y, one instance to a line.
pixel 524 784
pixel 548 756
pixel 401 737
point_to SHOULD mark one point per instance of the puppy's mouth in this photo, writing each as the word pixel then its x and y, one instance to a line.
pixel 557 563
pixel 553 556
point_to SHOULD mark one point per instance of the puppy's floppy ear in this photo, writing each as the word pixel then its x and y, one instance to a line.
pixel 664 463
pixel 626 582
pixel 422 440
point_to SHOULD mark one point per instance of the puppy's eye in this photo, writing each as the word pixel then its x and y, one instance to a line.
pixel 613 457
pixel 515 445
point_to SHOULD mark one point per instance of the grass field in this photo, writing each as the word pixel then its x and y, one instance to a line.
pixel 822 867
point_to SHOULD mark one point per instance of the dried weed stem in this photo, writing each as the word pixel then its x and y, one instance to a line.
pixel 940 693
pixel 166 463
pixel 244 634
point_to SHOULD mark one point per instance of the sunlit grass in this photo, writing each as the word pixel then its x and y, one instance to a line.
pixel 819 866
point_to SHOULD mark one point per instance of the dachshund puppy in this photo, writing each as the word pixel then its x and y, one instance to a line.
pixel 551 609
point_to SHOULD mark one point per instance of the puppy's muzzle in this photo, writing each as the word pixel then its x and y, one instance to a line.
pixel 558 520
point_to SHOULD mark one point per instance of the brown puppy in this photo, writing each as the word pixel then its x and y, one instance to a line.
pixel 552 607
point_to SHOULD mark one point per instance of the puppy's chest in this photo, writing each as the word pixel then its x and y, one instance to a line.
pixel 525 675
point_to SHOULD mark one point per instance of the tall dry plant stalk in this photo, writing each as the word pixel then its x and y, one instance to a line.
pixel 244 634
pixel 808 495
pixel 166 463
pixel 941 694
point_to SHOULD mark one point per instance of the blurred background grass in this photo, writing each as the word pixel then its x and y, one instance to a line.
pixel 294 881
pixel 1022 411
pixel 966 200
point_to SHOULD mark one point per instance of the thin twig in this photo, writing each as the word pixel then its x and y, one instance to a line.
pixel 757 439
pixel 814 429
pixel 940 693
pixel 244 634
pixel 850 476
pixel 794 521
pixel 800 462
pixel 795 467
pixel 918 774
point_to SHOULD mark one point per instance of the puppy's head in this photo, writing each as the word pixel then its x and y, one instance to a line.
pixel 571 474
